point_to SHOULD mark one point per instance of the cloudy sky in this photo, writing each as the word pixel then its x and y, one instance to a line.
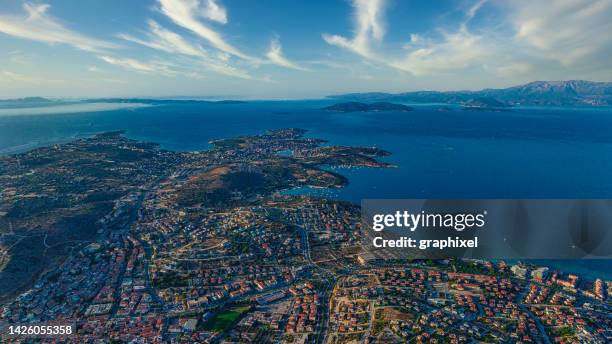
pixel 295 49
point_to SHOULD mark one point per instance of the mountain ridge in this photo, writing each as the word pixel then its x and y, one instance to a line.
pixel 536 93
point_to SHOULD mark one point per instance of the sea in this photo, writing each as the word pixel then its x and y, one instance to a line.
pixel 440 152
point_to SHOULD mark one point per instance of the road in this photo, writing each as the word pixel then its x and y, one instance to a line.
pixel 330 281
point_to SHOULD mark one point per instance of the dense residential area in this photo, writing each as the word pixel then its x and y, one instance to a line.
pixel 145 245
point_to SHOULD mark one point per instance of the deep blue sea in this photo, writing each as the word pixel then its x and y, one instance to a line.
pixel 523 153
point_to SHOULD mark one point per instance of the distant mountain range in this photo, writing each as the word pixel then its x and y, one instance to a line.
pixel 537 93
pixel 41 102
pixel 363 107
pixel 152 101
pixel 27 102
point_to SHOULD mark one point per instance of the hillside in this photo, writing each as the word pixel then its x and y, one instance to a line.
pixel 537 93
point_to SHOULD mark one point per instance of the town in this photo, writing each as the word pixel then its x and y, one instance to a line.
pixel 143 245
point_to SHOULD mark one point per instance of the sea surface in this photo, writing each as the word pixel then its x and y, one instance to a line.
pixel 523 153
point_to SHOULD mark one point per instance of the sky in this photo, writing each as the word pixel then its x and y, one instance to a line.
pixel 287 49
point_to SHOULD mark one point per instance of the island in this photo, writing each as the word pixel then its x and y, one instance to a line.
pixel 365 107
pixel 485 104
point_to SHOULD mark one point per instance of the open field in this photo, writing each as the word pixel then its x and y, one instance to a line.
pixel 225 319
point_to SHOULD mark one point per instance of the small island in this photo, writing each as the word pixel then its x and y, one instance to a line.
pixel 485 103
pixel 364 107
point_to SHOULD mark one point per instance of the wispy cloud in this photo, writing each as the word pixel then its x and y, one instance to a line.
pixel 454 50
pixel 229 70
pixel 472 11
pixel 553 35
pixel 186 13
pixel 369 27
pixel 568 31
pixel 513 70
pixel 191 15
pixel 168 41
pixel 275 55
pixel 37 25
pixel 162 39
pixel 139 66
pixel 214 12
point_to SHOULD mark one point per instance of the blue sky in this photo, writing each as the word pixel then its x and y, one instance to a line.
pixel 295 49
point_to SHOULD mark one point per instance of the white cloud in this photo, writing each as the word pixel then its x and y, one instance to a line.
pixel 451 52
pixel 185 13
pixel 37 25
pixel 368 26
pixel 565 30
pixel 214 12
pixel 275 55
pixel 455 50
pixel 229 70
pixel 139 66
pixel 165 40
pixel 415 38
pixel 528 39
pixel 162 39
pixel 514 70
pixel 471 12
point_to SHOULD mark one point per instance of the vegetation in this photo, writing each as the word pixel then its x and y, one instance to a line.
pixel 225 319
pixel 566 332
